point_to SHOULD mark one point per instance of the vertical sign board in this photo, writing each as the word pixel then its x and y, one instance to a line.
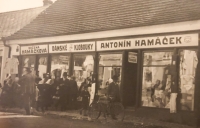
pixel 149 42
pixel 72 47
pixel 132 57
pixel 34 49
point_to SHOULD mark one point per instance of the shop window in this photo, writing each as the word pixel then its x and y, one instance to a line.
pixel 59 65
pixel 188 64
pixel 109 65
pixel 83 67
pixel 156 79
pixel 28 61
pixel 42 65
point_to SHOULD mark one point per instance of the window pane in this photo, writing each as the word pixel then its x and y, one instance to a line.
pixel 28 61
pixel 83 67
pixel 42 65
pixel 109 65
pixel 157 58
pixel 156 87
pixel 110 60
pixel 59 65
pixel 188 63
pixel 105 73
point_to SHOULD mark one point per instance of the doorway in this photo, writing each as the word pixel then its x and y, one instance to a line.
pixel 130 78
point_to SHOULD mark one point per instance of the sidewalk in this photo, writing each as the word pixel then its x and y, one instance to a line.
pixel 129 118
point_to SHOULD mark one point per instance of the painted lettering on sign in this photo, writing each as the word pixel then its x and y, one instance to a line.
pixel 158 41
pixel 116 44
pixel 59 48
pixel 36 49
pixel 72 47
pixel 80 47
pixel 149 42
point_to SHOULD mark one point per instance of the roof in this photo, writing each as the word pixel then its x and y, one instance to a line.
pixel 11 22
pixel 66 17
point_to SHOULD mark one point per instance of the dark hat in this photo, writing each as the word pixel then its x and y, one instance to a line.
pixel 115 77
pixel 28 69
pixel 73 77
pixel 88 78
pixel 65 74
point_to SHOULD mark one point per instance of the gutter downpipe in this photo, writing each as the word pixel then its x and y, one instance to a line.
pixel 9 47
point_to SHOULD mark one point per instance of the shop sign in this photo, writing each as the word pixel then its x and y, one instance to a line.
pixel 34 49
pixel 72 47
pixel 149 42
pixel 132 57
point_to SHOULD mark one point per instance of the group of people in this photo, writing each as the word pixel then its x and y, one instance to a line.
pixel 31 91
pixel 59 92
pixel 42 93
pixel 18 92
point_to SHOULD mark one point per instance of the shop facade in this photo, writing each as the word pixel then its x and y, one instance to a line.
pixel 149 67
pixel 75 58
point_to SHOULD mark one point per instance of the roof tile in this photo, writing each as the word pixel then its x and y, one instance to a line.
pixel 66 17
pixel 11 22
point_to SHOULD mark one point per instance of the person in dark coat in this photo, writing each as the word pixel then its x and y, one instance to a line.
pixel 45 91
pixel 48 91
pixel 73 92
pixel 27 81
pixel 41 103
pixel 37 81
pixel 56 98
pixel 85 100
pixel 113 90
pixel 87 83
pixel 113 93
pixel 197 115
pixel 64 91
pixel 7 94
pixel 17 93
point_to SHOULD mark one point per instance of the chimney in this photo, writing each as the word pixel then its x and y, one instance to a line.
pixel 47 2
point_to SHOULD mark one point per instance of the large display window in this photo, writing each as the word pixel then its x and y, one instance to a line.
pixel 83 67
pixel 59 65
pixel 156 81
pixel 109 65
pixel 42 65
pixel 188 64
pixel 29 61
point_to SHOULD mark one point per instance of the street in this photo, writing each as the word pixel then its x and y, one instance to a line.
pixel 13 120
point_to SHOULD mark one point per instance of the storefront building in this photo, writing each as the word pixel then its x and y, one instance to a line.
pixel 153 54
pixel 149 67
pixel 146 66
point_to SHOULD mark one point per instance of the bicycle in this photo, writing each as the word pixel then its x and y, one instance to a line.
pixel 115 109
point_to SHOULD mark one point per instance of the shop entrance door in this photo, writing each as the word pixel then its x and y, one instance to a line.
pixel 130 78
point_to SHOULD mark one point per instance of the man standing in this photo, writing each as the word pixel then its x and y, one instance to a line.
pixel 64 91
pixel 113 93
pixel 113 90
pixel 27 82
pixel 73 92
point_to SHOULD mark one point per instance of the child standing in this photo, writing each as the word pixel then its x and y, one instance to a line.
pixel 85 100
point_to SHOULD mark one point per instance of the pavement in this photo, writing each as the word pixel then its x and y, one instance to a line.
pixel 129 118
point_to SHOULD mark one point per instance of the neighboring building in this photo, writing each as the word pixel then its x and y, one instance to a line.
pixel 142 42
pixel 10 23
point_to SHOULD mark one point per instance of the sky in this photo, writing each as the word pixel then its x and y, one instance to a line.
pixel 12 5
